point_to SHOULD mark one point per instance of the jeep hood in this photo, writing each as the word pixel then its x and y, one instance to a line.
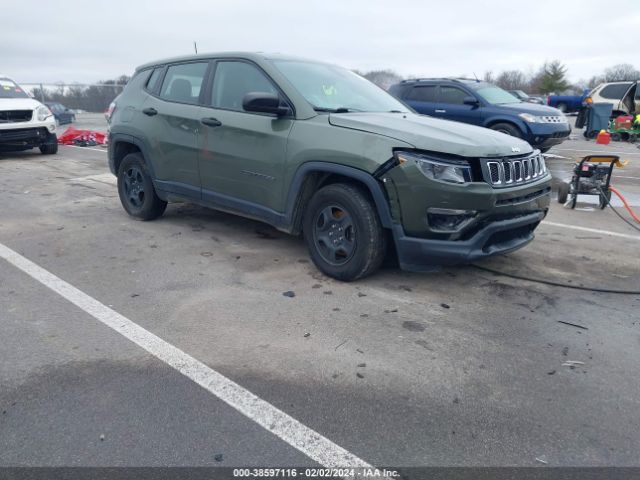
pixel 432 134
pixel 18 104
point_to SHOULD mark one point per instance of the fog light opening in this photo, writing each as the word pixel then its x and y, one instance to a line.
pixel 448 220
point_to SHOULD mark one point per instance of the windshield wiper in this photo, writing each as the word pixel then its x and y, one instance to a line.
pixel 336 110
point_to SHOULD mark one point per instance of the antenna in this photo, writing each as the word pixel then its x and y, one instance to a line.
pixel 474 74
pixel 195 47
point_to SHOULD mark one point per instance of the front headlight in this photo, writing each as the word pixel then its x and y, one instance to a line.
pixel 450 171
pixel 527 117
pixel 42 113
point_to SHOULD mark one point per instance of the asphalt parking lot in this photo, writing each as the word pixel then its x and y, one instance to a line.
pixel 460 367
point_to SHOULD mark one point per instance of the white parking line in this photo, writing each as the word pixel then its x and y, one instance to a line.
pixel 592 230
pixel 104 150
pixel 285 427
pixel 601 152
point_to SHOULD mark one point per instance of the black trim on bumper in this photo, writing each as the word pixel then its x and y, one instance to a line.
pixel 503 236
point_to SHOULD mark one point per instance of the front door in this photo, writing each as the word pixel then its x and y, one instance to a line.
pixel 451 106
pixel 243 153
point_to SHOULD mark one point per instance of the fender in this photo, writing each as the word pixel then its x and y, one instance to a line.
pixel 372 184
pixel 115 138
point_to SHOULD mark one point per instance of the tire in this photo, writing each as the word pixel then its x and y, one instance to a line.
pixel 633 138
pixel 507 128
pixel 136 191
pixel 562 107
pixel 342 230
pixel 563 192
pixel 51 147
pixel 616 137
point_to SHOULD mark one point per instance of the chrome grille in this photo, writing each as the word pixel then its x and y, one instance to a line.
pixel 505 172
pixel 553 119
pixel 15 116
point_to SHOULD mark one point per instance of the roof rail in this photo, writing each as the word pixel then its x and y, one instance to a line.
pixel 451 79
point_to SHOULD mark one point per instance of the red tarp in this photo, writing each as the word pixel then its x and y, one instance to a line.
pixel 82 138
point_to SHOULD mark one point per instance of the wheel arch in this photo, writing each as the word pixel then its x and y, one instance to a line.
pixel 314 175
pixel 121 145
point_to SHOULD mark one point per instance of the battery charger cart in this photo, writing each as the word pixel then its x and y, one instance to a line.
pixel 591 176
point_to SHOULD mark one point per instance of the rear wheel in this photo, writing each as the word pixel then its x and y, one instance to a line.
pixel 616 137
pixel 507 128
pixel 343 232
pixel 136 191
pixel 603 200
pixel 633 138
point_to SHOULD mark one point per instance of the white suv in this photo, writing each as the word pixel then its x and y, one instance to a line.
pixel 24 122
pixel 624 96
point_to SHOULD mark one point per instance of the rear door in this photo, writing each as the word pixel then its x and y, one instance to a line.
pixel 171 127
pixel 243 153
pixel 422 98
pixel 451 106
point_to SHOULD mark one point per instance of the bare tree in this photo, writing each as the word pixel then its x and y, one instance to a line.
pixel 512 80
pixel 621 72
pixel 383 78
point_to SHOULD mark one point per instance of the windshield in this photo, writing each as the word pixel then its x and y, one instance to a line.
pixel 9 89
pixel 332 88
pixel 496 95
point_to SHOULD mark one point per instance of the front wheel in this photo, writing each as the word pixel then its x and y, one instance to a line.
pixel 51 147
pixel 507 128
pixel 136 191
pixel 342 230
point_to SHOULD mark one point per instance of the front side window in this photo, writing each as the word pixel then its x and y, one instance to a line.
pixel 233 80
pixel 182 83
pixel 9 89
pixel 452 95
pixel 330 88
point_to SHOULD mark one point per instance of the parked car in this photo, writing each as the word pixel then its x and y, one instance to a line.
pixel 567 103
pixel 624 96
pixel 481 103
pixel 313 148
pixel 61 113
pixel 25 123
pixel 525 97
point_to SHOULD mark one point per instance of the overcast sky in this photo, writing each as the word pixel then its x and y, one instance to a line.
pixel 44 41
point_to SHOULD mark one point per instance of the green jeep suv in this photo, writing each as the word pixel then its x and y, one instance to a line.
pixel 314 149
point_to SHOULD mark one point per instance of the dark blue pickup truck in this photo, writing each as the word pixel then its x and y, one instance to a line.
pixel 481 103
pixel 567 103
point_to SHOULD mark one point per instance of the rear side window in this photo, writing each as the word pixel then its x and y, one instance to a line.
pixel 425 93
pixel 452 95
pixel 233 80
pixel 182 83
pixel 615 91
pixel 152 83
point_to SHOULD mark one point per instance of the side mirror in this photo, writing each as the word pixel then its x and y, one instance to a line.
pixel 264 102
pixel 473 101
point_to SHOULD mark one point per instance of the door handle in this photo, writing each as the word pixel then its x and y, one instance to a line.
pixel 211 122
pixel 441 111
pixel 150 111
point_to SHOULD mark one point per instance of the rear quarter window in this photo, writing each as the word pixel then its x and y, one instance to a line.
pixel 422 93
